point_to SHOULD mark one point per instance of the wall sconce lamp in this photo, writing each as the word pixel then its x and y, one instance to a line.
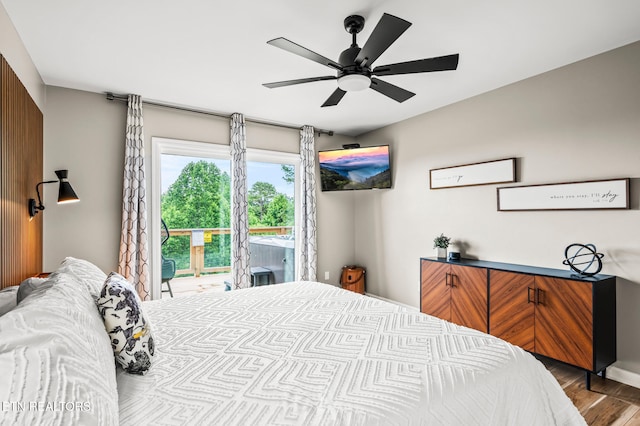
pixel 66 194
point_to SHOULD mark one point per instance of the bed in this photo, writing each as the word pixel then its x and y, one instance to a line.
pixel 300 353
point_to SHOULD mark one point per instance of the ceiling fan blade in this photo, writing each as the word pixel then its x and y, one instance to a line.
pixel 335 97
pixel 388 29
pixel 294 48
pixel 440 63
pixel 388 89
pixel 298 81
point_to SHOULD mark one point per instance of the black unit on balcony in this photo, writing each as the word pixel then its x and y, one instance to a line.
pixel 275 253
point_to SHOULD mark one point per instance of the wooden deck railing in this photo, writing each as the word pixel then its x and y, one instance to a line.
pixel 196 254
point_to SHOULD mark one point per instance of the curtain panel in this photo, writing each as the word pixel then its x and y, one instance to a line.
pixel 307 240
pixel 240 265
pixel 133 259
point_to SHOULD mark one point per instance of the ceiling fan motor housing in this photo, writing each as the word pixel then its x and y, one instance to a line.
pixel 353 24
pixel 348 60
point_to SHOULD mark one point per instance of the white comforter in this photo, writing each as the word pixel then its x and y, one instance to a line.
pixel 311 353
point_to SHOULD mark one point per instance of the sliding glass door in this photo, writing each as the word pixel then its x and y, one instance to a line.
pixel 195 205
pixel 192 199
pixel 272 220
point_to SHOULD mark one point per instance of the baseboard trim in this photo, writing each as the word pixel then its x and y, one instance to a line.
pixel 623 376
pixel 408 307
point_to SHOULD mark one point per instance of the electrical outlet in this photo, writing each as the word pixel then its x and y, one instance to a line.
pixel 326 275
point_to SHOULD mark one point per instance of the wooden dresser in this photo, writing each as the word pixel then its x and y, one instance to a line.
pixel 550 312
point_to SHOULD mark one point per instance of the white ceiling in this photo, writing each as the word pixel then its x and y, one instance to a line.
pixel 212 54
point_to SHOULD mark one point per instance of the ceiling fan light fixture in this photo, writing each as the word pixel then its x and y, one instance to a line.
pixel 354 82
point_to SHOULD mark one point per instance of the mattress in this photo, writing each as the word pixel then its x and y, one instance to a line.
pixel 313 354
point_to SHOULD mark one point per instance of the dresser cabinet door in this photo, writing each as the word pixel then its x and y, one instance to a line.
pixel 435 293
pixel 564 321
pixel 469 297
pixel 512 308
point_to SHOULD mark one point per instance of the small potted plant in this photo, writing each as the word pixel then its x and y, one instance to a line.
pixel 441 243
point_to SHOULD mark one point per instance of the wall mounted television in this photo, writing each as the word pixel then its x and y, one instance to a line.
pixel 355 168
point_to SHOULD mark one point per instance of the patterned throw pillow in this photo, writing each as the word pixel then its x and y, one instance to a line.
pixel 129 330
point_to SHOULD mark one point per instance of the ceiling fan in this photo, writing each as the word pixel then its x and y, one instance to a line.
pixel 353 68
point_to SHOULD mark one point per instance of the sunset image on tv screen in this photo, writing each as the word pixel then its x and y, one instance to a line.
pixel 357 168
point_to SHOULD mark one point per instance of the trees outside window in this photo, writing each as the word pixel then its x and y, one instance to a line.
pixel 200 198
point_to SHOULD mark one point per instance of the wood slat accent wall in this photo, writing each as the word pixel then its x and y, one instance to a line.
pixel 21 136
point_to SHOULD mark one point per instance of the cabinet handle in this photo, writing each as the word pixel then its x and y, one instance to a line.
pixel 529 295
pixel 539 299
pixel 453 277
pixel 446 278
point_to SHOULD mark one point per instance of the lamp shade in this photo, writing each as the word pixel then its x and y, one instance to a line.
pixel 66 194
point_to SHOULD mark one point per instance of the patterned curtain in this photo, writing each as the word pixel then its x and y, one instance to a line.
pixel 134 262
pixel 307 240
pixel 240 267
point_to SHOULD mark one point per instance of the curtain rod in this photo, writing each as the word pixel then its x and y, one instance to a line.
pixel 124 98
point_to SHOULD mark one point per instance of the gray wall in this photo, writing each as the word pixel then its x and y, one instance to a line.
pixel 579 122
pixel 16 54
pixel 85 134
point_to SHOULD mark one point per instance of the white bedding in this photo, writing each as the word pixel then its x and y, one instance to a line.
pixel 311 353
pixel 56 361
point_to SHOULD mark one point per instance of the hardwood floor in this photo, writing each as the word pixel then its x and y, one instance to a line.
pixel 609 403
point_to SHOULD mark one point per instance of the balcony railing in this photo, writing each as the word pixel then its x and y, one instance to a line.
pixel 196 254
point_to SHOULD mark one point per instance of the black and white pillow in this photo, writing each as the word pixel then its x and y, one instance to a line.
pixel 129 330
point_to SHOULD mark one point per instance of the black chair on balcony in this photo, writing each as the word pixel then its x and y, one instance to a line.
pixel 168 265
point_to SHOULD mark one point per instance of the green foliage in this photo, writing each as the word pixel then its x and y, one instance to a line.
pixel 333 181
pixel 289 173
pixel 441 241
pixel 259 197
pixel 218 251
pixel 280 211
pixel 254 220
pixel 201 198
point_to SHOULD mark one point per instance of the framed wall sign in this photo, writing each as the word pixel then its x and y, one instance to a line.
pixel 485 173
pixel 587 195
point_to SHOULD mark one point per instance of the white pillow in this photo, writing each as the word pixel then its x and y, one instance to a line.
pixel 8 299
pixel 86 273
pixel 53 349
pixel 129 330
pixel 29 285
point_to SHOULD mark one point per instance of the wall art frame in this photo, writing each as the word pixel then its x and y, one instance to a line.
pixel 474 174
pixel 607 194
